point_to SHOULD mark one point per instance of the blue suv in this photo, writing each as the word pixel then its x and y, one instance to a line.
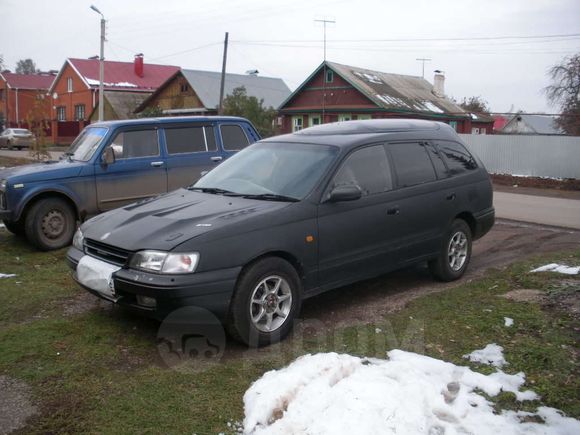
pixel 111 164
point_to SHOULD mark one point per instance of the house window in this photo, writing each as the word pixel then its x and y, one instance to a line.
pixel 184 87
pixel 363 117
pixel 344 117
pixel 79 112
pixel 453 125
pixel 61 113
pixel 483 131
pixel 69 84
pixel 475 130
pixel 297 123
pixel 313 120
pixel 329 76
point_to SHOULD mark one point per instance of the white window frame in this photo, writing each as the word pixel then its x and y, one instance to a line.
pixel 474 130
pixel 311 119
pixel 297 123
pixel 482 131
pixel 363 117
pixel 345 117
pixel 69 84
pixel 61 110
pixel 77 107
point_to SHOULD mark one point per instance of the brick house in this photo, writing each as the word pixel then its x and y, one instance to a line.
pixel 197 92
pixel 24 98
pixel 75 91
pixel 336 92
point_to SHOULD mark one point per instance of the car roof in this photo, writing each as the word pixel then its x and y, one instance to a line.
pixel 167 120
pixel 348 134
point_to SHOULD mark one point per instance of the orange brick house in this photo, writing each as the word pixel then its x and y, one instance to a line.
pixel 75 91
pixel 24 99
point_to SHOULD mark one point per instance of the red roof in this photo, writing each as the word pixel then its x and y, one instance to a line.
pixel 28 81
pixel 121 75
pixel 499 122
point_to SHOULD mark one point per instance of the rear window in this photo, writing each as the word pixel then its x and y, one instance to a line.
pixel 458 159
pixel 233 137
pixel 189 140
pixel 412 164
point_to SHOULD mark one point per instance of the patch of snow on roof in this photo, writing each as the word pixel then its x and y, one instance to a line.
pixel 372 78
pixel 491 354
pixel 392 101
pixel 554 267
pixel 407 393
pixel 473 116
pixel 431 107
pixel 125 85
pixel 93 82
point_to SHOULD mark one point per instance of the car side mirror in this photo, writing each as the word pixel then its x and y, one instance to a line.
pixel 350 192
pixel 108 156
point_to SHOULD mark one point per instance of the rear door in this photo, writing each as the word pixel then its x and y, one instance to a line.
pixel 355 236
pixel 191 150
pixel 139 170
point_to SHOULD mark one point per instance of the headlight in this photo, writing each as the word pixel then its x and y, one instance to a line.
pixel 165 262
pixel 78 240
pixel 3 184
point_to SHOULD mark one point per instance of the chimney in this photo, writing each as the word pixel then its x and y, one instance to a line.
pixel 439 84
pixel 138 63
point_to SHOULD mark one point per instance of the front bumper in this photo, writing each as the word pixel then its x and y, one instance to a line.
pixel 210 290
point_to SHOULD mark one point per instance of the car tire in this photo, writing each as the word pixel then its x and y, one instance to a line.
pixel 267 298
pixel 455 253
pixel 50 224
pixel 16 228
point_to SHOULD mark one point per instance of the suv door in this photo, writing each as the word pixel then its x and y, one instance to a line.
pixel 355 236
pixel 191 150
pixel 138 171
pixel 421 198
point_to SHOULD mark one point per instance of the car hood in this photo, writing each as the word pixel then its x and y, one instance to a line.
pixel 165 222
pixel 50 170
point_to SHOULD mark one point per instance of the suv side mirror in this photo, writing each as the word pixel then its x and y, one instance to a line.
pixel 350 192
pixel 108 156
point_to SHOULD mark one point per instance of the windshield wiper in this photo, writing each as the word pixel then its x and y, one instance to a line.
pixel 214 190
pixel 272 197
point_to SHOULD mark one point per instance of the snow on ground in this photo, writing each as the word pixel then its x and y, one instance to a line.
pixel 491 354
pixel 555 267
pixel 508 321
pixel 1 224
pixel 7 275
pixel 405 394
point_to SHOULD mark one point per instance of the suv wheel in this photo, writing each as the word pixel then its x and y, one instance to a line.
pixel 16 228
pixel 265 303
pixel 455 253
pixel 50 224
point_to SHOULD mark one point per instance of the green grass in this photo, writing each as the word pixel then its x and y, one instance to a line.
pixel 99 370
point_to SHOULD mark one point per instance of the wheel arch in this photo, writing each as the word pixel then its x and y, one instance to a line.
pixel 284 255
pixel 469 220
pixel 33 199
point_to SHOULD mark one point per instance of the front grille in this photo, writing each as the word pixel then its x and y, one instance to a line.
pixel 107 253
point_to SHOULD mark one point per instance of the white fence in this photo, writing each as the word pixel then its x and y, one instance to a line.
pixel 538 156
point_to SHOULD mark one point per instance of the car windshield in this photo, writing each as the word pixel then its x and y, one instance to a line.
pixel 270 170
pixel 86 143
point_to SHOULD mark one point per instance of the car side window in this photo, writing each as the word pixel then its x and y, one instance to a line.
pixel 437 160
pixel 367 168
pixel 233 137
pixel 458 159
pixel 133 144
pixel 185 140
pixel 412 163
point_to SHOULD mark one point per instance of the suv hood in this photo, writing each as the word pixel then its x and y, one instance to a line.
pixel 164 222
pixel 50 170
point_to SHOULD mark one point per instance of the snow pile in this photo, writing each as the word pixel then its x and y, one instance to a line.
pixel 560 268
pixel 7 275
pixel 508 322
pixel 491 354
pixel 407 393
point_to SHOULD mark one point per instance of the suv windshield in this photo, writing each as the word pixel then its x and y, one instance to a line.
pixel 270 169
pixel 86 143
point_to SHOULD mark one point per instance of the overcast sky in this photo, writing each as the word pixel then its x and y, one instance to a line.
pixel 464 38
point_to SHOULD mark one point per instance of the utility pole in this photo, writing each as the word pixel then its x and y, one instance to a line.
pixel 324 23
pixel 101 67
pixel 223 81
pixel 423 60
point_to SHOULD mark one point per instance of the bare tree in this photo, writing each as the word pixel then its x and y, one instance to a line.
pixel 26 66
pixel 564 92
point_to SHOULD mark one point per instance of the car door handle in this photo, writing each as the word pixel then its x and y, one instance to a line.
pixel 393 211
pixel 156 164
pixel 217 159
pixel 450 197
